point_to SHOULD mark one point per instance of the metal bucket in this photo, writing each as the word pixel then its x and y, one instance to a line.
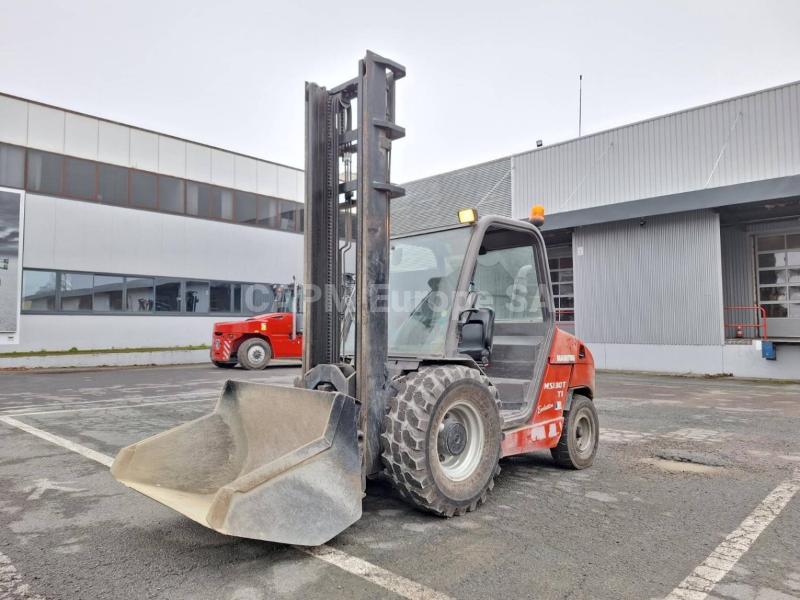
pixel 269 463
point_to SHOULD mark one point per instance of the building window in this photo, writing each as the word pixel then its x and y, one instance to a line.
pixel 143 190
pixel 170 194
pixel 101 293
pixel 75 292
pixel 257 298
pixel 53 174
pixel 209 202
pixel 288 216
pixel 778 260
pixel 220 298
pixel 199 201
pixel 196 296
pixel 168 295
pixel 44 172
pixel 224 198
pixel 268 212
pixel 108 290
pixel 246 208
pixel 236 290
pixel 38 290
pixel 112 185
pixel 561 276
pixel 12 166
pixel 80 179
pixel 139 294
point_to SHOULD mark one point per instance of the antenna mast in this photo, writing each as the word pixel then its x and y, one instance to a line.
pixel 580 101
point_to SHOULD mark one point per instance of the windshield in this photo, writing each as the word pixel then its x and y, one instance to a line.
pixel 423 276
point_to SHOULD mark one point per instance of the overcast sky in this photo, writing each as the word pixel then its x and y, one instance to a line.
pixel 485 79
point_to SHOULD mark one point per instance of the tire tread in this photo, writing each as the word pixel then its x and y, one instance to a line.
pixel 405 428
pixel 560 453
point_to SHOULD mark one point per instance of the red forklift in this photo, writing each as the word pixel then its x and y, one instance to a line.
pixel 253 342
pixel 448 359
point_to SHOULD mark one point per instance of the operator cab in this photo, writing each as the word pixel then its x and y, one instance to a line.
pixel 477 292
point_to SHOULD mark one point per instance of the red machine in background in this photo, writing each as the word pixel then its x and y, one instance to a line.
pixel 255 341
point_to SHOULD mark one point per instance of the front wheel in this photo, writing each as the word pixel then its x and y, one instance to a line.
pixel 441 438
pixel 580 436
pixel 254 354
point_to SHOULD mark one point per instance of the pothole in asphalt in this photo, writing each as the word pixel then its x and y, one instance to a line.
pixel 687 462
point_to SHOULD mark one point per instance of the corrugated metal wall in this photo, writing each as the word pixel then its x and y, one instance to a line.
pixel 657 284
pixel 743 139
pixel 434 201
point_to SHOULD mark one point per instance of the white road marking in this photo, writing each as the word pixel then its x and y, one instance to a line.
pixel 117 407
pixel 714 568
pixel 623 436
pixel 373 573
pixel 20 410
pixel 41 486
pixel 356 566
pixel 11 585
pixel 59 441
pixel 24 410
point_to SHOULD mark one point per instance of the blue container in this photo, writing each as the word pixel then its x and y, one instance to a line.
pixel 768 350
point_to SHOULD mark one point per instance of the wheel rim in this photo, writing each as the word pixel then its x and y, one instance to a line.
pixel 460 441
pixel 256 354
pixel 584 435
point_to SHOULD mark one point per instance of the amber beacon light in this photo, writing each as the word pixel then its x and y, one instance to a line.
pixel 537 215
pixel 468 215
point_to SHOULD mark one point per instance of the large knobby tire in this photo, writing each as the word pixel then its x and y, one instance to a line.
pixel 580 436
pixel 254 354
pixel 434 413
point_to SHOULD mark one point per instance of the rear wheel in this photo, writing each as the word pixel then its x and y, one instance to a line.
pixel 224 365
pixel 441 438
pixel 254 354
pixel 580 436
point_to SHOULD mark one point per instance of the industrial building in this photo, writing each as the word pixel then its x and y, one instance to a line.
pixel 674 242
pixel 120 237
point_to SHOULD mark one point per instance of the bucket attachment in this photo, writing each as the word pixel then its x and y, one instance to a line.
pixel 269 463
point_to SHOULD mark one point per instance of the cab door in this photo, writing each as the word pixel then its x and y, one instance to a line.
pixel 511 278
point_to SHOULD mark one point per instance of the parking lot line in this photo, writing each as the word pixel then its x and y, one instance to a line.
pixel 59 441
pixel 27 408
pixel 719 563
pixel 377 575
pixel 368 571
pixel 115 407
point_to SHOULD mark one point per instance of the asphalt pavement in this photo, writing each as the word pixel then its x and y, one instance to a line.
pixel 683 464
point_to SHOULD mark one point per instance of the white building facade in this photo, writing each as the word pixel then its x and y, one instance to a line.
pixel 134 239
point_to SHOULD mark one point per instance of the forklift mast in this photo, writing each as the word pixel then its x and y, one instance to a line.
pixel 335 197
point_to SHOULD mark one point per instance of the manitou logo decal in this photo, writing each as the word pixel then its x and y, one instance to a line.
pixel 555 385
pixel 565 358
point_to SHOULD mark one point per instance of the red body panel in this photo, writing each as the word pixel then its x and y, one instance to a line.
pixel 276 328
pixel 570 366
